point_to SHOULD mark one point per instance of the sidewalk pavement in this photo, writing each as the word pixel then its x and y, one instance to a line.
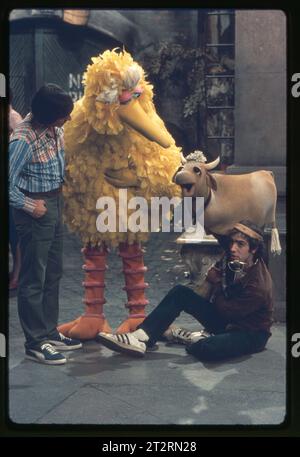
pixel 168 386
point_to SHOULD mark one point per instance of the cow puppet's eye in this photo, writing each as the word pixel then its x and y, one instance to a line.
pixel 197 170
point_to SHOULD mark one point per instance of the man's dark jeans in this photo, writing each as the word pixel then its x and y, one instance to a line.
pixel 222 345
pixel 41 244
pixel 13 235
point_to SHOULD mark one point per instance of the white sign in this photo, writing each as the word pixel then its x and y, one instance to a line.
pixel 75 86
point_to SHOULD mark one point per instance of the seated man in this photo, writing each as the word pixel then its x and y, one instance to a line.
pixel 238 313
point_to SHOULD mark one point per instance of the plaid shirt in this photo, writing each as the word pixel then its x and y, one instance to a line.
pixel 36 162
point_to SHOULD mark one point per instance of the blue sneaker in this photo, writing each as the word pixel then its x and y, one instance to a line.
pixel 63 343
pixel 45 353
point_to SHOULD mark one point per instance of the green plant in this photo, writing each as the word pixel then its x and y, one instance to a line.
pixel 175 67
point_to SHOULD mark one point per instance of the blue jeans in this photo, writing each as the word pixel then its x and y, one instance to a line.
pixel 13 235
pixel 222 345
pixel 41 244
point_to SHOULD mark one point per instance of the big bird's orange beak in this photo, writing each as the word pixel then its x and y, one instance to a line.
pixel 134 115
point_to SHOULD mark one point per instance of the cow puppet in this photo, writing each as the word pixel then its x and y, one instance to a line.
pixel 229 199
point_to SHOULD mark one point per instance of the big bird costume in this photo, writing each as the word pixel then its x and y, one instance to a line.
pixel 115 139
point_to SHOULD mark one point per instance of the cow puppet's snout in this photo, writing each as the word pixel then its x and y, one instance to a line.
pixel 185 176
pixel 176 172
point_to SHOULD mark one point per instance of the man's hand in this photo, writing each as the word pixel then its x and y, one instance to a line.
pixel 214 275
pixel 40 209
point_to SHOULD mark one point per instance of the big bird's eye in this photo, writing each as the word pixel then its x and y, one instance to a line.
pixel 137 92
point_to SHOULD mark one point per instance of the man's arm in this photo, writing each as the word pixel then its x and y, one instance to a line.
pixel 211 282
pixel 19 153
pixel 246 301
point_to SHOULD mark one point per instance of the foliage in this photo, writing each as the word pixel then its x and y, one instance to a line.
pixel 175 65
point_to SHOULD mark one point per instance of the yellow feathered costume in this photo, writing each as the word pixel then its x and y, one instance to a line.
pixel 115 139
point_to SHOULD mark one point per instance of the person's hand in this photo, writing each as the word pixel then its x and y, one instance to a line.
pixel 214 275
pixel 40 209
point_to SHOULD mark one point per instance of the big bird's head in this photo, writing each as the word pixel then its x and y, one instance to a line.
pixel 116 92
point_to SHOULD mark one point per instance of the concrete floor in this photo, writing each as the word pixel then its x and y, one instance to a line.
pixel 168 386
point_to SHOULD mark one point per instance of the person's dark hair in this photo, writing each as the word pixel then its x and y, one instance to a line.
pixel 261 250
pixel 51 103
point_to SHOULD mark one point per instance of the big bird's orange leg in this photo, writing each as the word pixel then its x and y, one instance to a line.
pixel 93 321
pixel 134 271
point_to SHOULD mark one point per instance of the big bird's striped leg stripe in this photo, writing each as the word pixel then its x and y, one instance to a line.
pixel 134 272
pixel 93 321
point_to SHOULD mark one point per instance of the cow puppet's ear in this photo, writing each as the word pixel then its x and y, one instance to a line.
pixel 211 182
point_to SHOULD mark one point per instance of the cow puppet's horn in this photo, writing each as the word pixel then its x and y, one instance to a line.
pixel 213 164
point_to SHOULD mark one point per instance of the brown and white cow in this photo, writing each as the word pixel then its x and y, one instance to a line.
pixel 229 199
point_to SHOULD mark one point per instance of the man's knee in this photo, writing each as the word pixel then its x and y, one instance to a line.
pixel 178 290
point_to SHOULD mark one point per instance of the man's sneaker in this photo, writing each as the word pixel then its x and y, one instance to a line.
pixel 142 336
pixel 63 343
pixel 153 348
pixel 124 342
pixel 182 336
pixel 45 353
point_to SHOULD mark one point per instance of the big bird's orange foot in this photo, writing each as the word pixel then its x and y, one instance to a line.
pixel 130 324
pixel 86 327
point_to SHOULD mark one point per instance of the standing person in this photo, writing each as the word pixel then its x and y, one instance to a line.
pixel 36 174
pixel 14 119
pixel 238 315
